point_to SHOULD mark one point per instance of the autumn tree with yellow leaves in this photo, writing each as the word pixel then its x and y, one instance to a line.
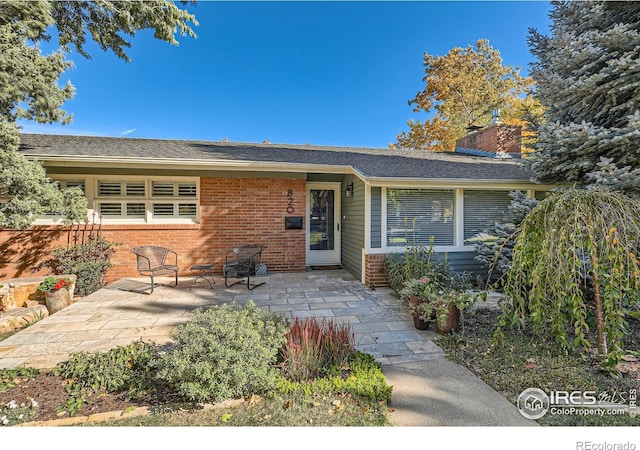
pixel 463 88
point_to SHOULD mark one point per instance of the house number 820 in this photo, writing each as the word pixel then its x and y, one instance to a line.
pixel 290 208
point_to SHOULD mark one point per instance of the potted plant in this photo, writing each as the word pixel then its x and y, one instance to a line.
pixel 420 294
pixel 56 291
pixel 430 301
pixel 447 311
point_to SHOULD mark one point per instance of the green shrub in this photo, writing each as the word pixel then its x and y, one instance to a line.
pixel 88 260
pixel 225 352
pixel 123 368
pixel 416 262
pixel 9 377
pixel 362 378
pixel 313 346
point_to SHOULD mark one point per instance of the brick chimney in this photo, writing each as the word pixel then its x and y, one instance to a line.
pixel 498 139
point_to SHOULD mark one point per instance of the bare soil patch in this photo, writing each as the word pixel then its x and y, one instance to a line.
pixel 50 394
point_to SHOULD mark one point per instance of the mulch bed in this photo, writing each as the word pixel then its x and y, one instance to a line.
pixel 49 391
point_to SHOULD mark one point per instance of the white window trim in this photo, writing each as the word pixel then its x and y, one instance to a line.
pixel 458 231
pixel 395 249
pixel 94 200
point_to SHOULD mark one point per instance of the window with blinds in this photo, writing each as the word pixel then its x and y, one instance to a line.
pixel 135 199
pixel 121 188
pixel 162 189
pixel 147 199
pixel 415 216
pixel 122 209
pixel 482 209
pixel 169 189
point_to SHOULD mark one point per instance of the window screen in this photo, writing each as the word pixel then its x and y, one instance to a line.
pixel 482 209
pixel 414 216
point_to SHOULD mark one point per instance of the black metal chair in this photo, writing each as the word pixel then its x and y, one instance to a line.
pixel 153 260
pixel 241 262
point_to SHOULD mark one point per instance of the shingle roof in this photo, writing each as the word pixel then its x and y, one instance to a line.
pixel 378 163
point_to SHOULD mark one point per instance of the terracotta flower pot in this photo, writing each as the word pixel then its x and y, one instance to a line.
pixel 57 300
pixel 453 321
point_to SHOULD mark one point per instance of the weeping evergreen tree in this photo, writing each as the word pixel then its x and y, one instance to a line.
pixel 576 268
pixel 587 78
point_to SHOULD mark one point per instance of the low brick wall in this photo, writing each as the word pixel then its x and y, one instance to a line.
pixel 374 274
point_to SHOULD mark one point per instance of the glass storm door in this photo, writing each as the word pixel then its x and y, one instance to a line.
pixel 323 224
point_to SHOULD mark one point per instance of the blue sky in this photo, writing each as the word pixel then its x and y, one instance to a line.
pixel 324 73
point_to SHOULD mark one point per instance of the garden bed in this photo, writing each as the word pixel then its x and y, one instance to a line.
pixel 525 361
pixel 289 365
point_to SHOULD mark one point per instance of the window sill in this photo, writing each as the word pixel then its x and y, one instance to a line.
pixel 118 222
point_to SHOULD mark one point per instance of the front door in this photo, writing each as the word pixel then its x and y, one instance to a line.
pixel 323 226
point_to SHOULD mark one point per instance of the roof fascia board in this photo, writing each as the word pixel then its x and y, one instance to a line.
pixel 455 183
pixel 262 166
pixel 121 162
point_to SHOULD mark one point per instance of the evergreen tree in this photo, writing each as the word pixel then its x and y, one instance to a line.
pixel 29 83
pixel 494 247
pixel 587 77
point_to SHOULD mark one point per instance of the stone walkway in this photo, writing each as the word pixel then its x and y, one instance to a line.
pixel 122 313
pixel 428 389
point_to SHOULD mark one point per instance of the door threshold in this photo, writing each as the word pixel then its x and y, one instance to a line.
pixel 325 267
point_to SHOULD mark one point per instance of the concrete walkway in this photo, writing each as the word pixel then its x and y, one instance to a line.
pixel 428 389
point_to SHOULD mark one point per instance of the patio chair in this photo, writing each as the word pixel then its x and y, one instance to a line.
pixel 242 262
pixel 153 260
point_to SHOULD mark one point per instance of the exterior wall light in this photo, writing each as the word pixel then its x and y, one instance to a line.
pixel 348 192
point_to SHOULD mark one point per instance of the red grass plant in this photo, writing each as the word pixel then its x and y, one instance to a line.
pixel 313 347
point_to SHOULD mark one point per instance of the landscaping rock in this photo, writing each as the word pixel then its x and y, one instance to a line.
pixel 19 291
pixel 493 302
pixel 18 318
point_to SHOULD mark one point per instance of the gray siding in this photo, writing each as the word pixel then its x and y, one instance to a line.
pixel 376 217
pixel 353 227
pixel 465 262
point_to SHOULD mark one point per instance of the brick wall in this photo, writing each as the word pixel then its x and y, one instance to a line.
pixel 373 273
pixel 233 211
pixel 236 211
pixel 495 138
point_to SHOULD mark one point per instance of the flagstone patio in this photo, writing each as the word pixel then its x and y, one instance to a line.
pixel 123 312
